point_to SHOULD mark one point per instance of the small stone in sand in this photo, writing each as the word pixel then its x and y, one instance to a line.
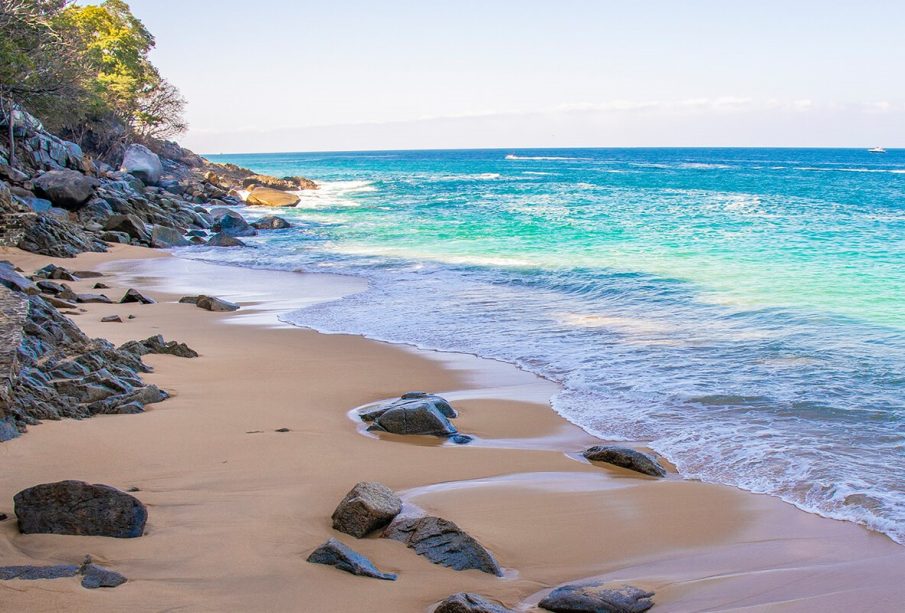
pixel 465 602
pixel 112 319
pixel 3 516
pixel 597 597
pixel 133 295
pixel 334 553
pixel 282 430
pixel 131 317
pixel 101 286
pixel 134 489
pixel 625 457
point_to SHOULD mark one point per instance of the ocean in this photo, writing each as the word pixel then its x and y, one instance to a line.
pixel 742 310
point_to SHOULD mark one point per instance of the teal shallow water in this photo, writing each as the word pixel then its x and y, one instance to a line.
pixel 741 309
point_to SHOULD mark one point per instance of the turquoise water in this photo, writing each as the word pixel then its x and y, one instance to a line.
pixel 740 309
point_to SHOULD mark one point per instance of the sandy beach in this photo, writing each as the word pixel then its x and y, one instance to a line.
pixel 235 507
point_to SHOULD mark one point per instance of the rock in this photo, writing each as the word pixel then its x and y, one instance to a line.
pixel 141 162
pixel 442 542
pixel 367 507
pixel 271 222
pixel 289 184
pixel 129 224
pixel 112 319
pixel 52 271
pixel 418 416
pixel 463 602
pixel 597 598
pixel 93 298
pixel 115 237
pixel 232 224
pixel 68 189
pixel 265 196
pixel 626 458
pixel 210 303
pixel 188 300
pixel 224 240
pixel 412 400
pixel 3 516
pixel 461 439
pixel 334 553
pixel 43 233
pixel 14 281
pixel 282 430
pixel 33 573
pixel 156 344
pixel 101 286
pixel 79 508
pixel 94 576
pixel 87 274
pixel 133 295
pixel 163 237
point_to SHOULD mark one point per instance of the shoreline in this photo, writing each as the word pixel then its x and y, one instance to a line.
pixel 698 546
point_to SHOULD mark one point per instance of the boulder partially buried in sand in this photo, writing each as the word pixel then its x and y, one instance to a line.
pixel 597 598
pixel 414 413
pixel 79 508
pixel 367 507
pixel 334 553
pixel 265 196
pixel 464 602
pixel 442 542
pixel 625 457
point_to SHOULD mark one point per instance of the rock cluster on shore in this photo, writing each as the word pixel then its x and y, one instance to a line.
pixel 58 201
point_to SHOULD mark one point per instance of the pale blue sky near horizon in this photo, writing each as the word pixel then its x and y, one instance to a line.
pixel 276 75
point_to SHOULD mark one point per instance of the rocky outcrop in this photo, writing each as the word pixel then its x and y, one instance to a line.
pixel 79 508
pixel 286 184
pixel 51 370
pixel 68 189
pixel 128 224
pixel 367 507
pixel 464 602
pixel 597 598
pixel 442 542
pixel 265 196
pixel 334 553
pixel 271 222
pixel 625 457
pixel 141 162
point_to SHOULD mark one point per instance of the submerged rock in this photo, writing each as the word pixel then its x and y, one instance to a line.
pixel 271 222
pixel 231 223
pixel 79 508
pixel 367 507
pixel 334 553
pixel 442 542
pixel 464 602
pixel 225 240
pixel 625 457
pixel 597 598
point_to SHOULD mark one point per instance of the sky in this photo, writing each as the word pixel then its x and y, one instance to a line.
pixel 281 75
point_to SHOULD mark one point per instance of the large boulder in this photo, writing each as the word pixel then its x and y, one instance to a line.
pixel 76 507
pixel 367 507
pixel 141 162
pixel 225 240
pixel 68 189
pixel 131 225
pixel 334 553
pixel 265 196
pixel 442 542
pixel 418 417
pixel 597 598
pixel 464 602
pixel 625 457
pixel 163 237
pixel 410 400
pixel 231 223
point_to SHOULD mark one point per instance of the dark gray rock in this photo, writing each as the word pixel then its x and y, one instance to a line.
pixel 334 553
pixel 156 344
pixel 94 576
pixel 626 458
pixel 14 281
pixel 597 598
pixel 271 222
pixel 211 303
pixel 163 237
pixel 68 189
pixel 133 295
pixel 33 573
pixel 93 298
pixel 128 224
pixel 442 542
pixel 233 224
pixel 367 507
pixel 52 271
pixel 50 287
pixel 411 400
pixel 45 234
pixel 189 300
pixel 464 602
pixel 413 417
pixel 79 508
pixel 115 237
pixel 101 286
pixel 142 163
pixel 112 319
pixel 224 240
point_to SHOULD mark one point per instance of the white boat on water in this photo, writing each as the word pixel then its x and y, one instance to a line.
pixel 876 150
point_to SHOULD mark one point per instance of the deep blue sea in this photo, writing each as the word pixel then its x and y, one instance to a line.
pixel 743 310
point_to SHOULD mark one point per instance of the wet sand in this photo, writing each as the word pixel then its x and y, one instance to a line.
pixel 233 513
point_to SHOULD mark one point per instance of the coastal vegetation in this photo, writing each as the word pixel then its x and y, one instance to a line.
pixel 85 71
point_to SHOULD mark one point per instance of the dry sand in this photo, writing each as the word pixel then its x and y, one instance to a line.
pixel 233 514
